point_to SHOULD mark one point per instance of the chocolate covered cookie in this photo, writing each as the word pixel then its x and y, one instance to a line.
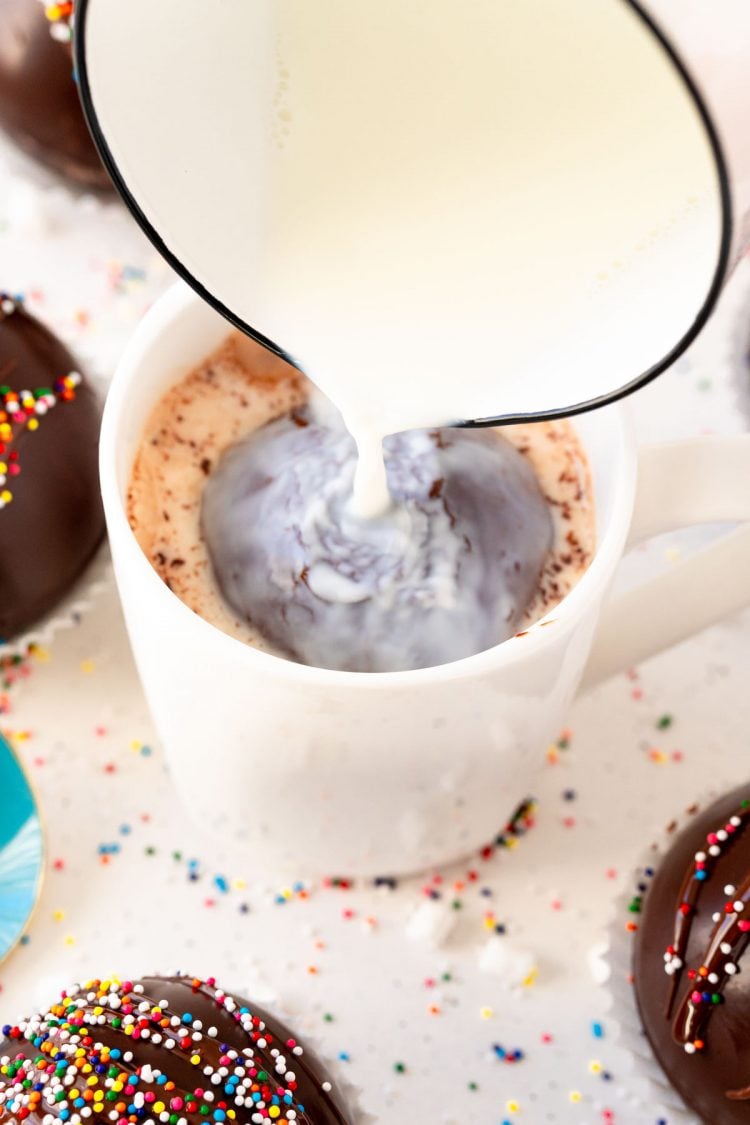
pixel 51 518
pixel 39 105
pixel 170 1050
pixel 692 980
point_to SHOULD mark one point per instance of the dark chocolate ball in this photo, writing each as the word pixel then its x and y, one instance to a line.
pixel 174 1050
pixel 39 105
pixel 692 980
pixel 51 518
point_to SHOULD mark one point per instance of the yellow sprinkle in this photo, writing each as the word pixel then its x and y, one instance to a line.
pixel 58 915
pixel 93 1080
pixel 273 1111
pixel 6 496
pixel 87 666
pixel 575 1096
pixel 595 1066
pixel 195 1059
pixel 486 1013
pixel 159 1107
pixel 41 654
pixel 231 1114
pixel 135 745
pixel 489 923
pixel 512 1107
pixel 33 424
pixel 239 884
pixel 530 980
pixel 70 940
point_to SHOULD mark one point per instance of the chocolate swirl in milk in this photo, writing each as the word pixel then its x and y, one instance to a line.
pixel 240 497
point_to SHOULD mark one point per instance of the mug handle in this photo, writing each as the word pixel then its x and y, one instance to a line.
pixel 680 484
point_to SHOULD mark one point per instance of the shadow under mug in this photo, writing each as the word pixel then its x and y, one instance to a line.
pixel 323 772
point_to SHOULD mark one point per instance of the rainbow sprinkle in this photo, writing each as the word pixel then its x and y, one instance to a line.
pixel 60 16
pixel 22 410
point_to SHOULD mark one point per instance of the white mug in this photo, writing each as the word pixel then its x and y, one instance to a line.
pixel 328 772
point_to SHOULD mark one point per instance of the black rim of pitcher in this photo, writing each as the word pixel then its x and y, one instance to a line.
pixel 712 295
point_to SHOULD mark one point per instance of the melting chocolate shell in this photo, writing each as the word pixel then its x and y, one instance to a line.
pixel 39 105
pixel 447 573
pixel 51 518
pixel 691 975
pixel 174 1050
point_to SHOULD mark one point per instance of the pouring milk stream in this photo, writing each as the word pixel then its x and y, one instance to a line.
pixel 395 270
pixel 441 211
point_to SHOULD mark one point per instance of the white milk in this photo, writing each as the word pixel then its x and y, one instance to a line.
pixel 442 209
pixel 415 199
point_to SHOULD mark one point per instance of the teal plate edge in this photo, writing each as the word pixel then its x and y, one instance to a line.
pixel 21 850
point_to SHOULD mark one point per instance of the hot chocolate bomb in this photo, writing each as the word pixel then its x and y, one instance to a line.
pixel 39 104
pixel 51 518
pixel 446 574
pixel 161 1051
pixel 691 975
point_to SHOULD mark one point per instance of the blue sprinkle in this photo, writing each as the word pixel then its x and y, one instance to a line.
pixel 221 883
pixel 597 1030
pixel 344 1056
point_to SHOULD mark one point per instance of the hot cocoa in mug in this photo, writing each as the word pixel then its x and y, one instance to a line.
pixel 320 770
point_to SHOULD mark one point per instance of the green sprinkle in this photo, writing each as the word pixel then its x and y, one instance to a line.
pixel 399 1067
pixel 664 722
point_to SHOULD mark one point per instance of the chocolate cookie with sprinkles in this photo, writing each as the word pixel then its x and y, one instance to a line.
pixel 172 1050
pixel 690 968
pixel 39 105
pixel 51 517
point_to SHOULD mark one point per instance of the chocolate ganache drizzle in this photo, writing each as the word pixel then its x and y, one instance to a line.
pixel 161 1051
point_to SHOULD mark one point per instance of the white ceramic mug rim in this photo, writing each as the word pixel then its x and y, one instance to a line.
pixel 168 308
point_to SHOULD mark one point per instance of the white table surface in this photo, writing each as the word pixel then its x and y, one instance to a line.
pixel 80 724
